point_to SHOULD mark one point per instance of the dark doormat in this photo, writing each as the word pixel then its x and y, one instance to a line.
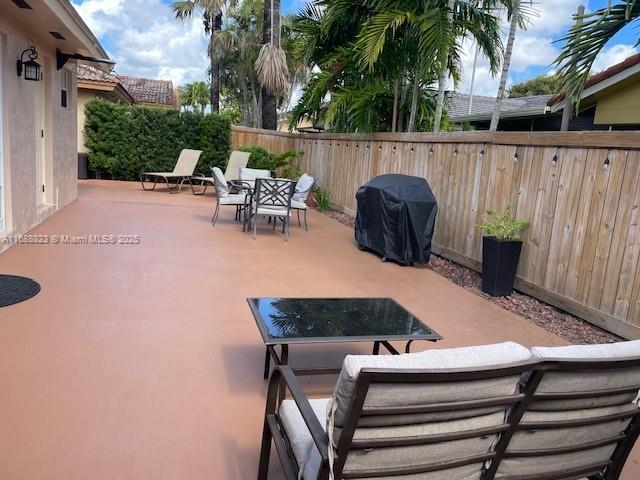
pixel 16 289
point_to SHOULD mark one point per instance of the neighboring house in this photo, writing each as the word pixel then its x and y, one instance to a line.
pixel 612 96
pixel 150 93
pixel 516 114
pixel 38 160
pixel 610 101
pixel 94 82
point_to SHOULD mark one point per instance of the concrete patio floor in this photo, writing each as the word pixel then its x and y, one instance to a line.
pixel 144 362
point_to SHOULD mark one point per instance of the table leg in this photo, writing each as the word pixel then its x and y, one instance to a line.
pixel 390 348
pixel 407 349
pixel 376 348
pixel 284 359
pixel 267 363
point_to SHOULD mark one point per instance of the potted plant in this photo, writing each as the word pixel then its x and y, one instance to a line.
pixel 501 248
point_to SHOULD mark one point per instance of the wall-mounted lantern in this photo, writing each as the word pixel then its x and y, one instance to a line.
pixel 30 67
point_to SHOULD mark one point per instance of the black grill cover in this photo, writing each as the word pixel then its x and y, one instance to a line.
pixel 396 217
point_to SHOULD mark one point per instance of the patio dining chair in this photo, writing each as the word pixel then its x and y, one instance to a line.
pixel 272 199
pixel 304 187
pixel 474 413
pixel 182 172
pixel 225 197
pixel 248 176
pixel 237 160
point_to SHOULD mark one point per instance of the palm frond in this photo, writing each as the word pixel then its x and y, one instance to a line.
pixel 272 69
pixel 585 41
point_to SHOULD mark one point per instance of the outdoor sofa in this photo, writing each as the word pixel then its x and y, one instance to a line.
pixel 476 413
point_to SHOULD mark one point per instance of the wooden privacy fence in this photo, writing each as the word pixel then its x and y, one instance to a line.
pixel 579 190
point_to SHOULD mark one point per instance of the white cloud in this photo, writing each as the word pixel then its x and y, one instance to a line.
pixel 533 47
pixel 145 40
pixel 612 55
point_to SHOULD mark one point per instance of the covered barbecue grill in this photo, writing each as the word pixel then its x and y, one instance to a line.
pixel 396 218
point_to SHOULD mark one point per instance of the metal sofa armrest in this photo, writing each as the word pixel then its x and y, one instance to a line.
pixel 284 374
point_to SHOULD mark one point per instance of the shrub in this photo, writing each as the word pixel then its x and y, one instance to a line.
pixel 323 199
pixel 502 225
pixel 125 140
pixel 282 165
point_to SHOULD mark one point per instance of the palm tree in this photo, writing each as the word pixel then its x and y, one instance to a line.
pixel 271 65
pixel 195 96
pixel 442 78
pixel 434 29
pixel 587 38
pixel 506 63
pixel 211 11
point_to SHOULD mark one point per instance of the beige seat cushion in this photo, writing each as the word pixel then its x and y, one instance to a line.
pixel 304 450
pixel 298 205
pixel 233 199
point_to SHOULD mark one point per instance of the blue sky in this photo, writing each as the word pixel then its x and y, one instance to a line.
pixel 145 40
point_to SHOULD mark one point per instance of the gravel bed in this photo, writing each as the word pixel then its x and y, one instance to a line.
pixel 556 321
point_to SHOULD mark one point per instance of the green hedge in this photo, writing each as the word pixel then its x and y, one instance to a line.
pixel 125 140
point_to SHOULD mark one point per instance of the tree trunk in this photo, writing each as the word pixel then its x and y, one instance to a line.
pixel 255 104
pixel 403 99
pixel 414 104
pixel 394 115
pixel 442 79
pixel 245 102
pixel 271 22
pixel 505 66
pixel 215 65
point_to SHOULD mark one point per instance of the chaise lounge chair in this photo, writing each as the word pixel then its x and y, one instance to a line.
pixel 478 413
pixel 182 172
pixel 237 161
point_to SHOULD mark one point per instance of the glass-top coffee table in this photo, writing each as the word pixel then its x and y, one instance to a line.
pixel 285 321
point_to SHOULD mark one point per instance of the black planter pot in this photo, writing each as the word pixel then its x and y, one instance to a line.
pixel 499 265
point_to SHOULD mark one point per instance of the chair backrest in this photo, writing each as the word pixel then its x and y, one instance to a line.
pixel 581 414
pixel 541 418
pixel 219 183
pixel 187 162
pixel 304 187
pixel 251 174
pixel 237 160
pixel 273 193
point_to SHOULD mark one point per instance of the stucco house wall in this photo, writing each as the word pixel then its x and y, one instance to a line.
pixel 33 118
pixel 24 209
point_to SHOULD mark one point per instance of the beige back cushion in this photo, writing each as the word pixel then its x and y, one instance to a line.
pixel 250 174
pixel 187 162
pixel 564 410
pixel 220 183
pixel 413 425
pixel 237 160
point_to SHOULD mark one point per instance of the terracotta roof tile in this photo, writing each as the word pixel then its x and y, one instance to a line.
pixel 148 91
pixel 91 73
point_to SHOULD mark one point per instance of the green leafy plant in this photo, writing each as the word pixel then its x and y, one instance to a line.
pixel 124 140
pixel 502 225
pixel 323 199
pixel 275 163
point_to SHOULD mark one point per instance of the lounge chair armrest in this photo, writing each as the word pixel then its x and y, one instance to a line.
pixel 316 430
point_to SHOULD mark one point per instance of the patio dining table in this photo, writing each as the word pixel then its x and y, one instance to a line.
pixel 286 321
